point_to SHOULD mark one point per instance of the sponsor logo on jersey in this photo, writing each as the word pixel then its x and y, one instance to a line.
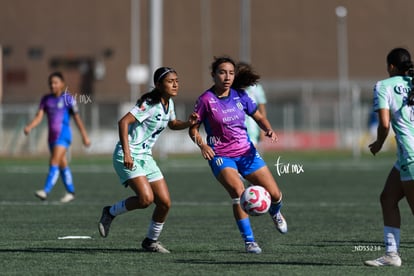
pixel 401 88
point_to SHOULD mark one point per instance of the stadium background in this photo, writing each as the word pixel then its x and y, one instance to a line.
pixel 315 100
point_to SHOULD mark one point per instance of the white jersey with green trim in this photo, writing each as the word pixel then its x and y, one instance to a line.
pixel 392 94
pixel 151 120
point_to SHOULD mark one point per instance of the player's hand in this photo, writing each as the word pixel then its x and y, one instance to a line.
pixel 193 118
pixel 27 130
pixel 207 152
pixel 86 141
pixel 128 162
pixel 375 147
pixel 272 135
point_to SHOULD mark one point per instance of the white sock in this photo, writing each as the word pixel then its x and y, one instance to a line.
pixel 154 230
pixel 391 239
pixel 118 208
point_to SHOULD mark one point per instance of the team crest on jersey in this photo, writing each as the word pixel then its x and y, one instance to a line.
pixel 239 105
pixel 60 104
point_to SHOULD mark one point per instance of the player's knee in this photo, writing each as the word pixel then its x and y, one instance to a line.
pixel 146 200
pixel 164 205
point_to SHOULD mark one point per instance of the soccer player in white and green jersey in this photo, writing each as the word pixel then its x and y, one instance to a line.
pixel 257 93
pixel 139 129
pixel 393 100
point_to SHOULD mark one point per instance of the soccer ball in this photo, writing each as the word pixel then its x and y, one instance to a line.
pixel 255 200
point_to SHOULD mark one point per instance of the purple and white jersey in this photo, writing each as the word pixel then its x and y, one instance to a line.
pixel 223 120
pixel 58 111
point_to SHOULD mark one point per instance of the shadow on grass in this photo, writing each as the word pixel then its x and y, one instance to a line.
pixel 71 250
pixel 214 262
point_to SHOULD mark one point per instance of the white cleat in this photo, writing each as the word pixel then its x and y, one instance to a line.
pixel 153 246
pixel 41 194
pixel 253 247
pixel 280 223
pixel 389 259
pixel 68 197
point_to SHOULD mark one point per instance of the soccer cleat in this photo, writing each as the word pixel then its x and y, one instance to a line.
pixel 153 246
pixel 389 259
pixel 105 222
pixel 41 194
pixel 68 197
pixel 280 222
pixel 253 247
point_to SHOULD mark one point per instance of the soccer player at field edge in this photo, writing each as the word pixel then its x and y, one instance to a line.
pixel 139 129
pixel 393 100
pixel 257 93
pixel 58 106
pixel 229 150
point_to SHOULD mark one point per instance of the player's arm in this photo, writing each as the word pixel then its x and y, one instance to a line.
pixel 35 122
pixel 262 110
pixel 206 151
pixel 179 125
pixel 382 131
pixel 264 125
pixel 82 129
pixel 123 138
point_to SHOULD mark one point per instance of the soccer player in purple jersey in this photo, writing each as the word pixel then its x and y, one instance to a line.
pixel 58 106
pixel 228 149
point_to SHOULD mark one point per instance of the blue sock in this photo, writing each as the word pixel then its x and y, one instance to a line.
pixel 66 175
pixel 51 179
pixel 275 208
pixel 245 230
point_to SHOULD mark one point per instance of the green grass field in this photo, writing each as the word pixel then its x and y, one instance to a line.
pixel 332 210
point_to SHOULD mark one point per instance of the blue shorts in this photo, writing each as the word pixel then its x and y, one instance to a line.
pixel 60 142
pixel 64 140
pixel 245 165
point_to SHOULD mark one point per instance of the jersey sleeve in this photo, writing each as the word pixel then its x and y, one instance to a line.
pixel 200 109
pixel 172 110
pixel 380 97
pixel 249 104
pixel 261 95
pixel 141 113
pixel 72 104
pixel 42 104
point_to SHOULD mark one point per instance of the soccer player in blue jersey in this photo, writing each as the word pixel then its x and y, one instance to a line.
pixel 58 106
pixel 394 103
pixel 139 129
pixel 230 153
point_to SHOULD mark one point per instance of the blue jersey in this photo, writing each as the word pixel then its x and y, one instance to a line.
pixel 223 120
pixel 58 111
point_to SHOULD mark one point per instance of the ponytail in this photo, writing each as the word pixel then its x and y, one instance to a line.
pixel 152 98
pixel 401 59
pixel 245 76
pixel 410 73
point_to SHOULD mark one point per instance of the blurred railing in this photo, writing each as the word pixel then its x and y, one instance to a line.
pixel 305 116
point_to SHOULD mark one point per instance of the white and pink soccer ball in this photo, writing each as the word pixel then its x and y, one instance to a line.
pixel 255 200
